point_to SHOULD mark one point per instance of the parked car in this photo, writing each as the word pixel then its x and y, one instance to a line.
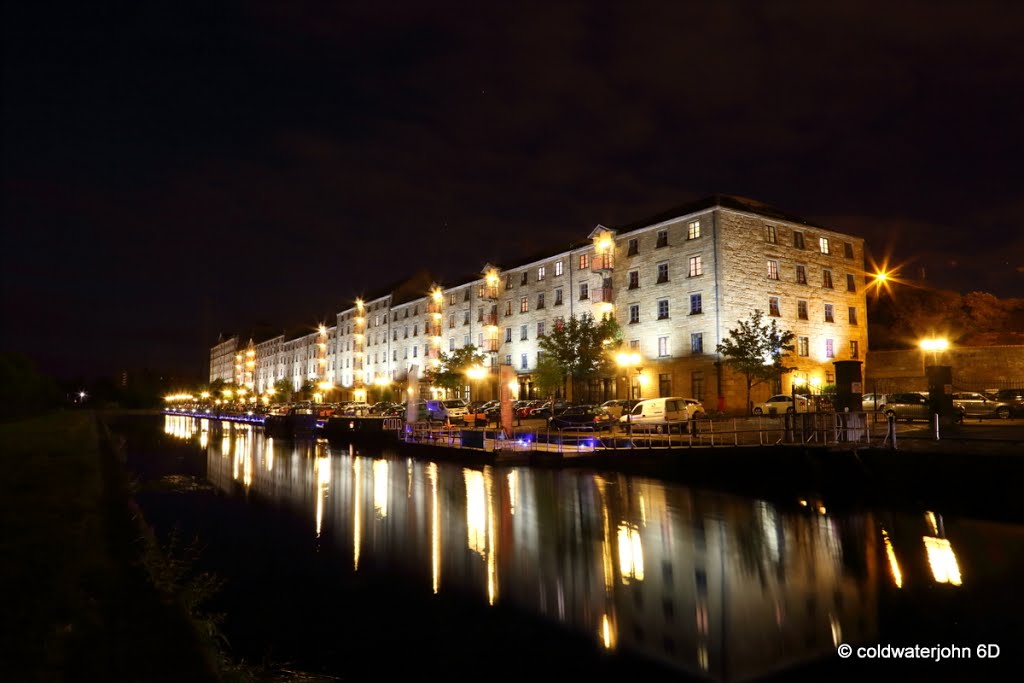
pixel 1015 399
pixel 582 417
pixel 450 410
pixel 782 403
pixel 907 406
pixel 977 404
pixel 872 402
pixel 658 414
pixel 617 407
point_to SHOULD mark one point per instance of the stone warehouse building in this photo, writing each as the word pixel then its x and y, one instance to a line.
pixel 676 283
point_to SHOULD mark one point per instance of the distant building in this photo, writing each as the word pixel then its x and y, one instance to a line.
pixel 676 283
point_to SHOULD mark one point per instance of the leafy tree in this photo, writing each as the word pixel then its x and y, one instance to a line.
pixel 757 350
pixel 549 376
pixel 451 372
pixel 283 390
pixel 582 349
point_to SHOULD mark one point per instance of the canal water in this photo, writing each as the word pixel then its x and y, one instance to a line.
pixel 366 564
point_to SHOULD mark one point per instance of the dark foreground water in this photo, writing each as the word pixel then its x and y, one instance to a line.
pixel 367 565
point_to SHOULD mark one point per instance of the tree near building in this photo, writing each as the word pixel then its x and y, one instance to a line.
pixel 582 349
pixel 450 374
pixel 283 391
pixel 757 350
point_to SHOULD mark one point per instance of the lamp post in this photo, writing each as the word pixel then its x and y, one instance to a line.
pixel 475 373
pixel 627 361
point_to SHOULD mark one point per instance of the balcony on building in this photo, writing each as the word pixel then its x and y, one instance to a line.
pixel 602 294
pixel 492 344
pixel 602 262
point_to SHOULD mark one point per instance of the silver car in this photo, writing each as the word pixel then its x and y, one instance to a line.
pixel 977 404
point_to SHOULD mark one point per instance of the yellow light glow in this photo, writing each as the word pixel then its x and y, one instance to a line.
pixel 271 391
pixel 942 560
pixel 799 381
pixel 476 511
pixel 325 386
pixel 435 529
pixel 323 330
pixel 644 379
pixel 238 356
pixel 205 394
pixel 357 508
pixel 607 632
pixel 604 243
pixel 476 372
pixel 492 279
pixel 437 295
pixel 894 566
pixel 934 345
pixel 628 359
pixel 380 487
pixel 513 386
pixel 631 554
pixel 359 303
pixel 815 382
pixel 250 353
pixel 242 391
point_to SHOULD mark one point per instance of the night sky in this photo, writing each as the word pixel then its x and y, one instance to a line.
pixel 174 170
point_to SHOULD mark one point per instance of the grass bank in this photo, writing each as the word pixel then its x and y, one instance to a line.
pixel 79 596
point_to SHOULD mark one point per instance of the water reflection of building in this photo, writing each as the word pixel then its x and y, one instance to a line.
pixel 711 584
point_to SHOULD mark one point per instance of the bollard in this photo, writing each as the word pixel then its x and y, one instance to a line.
pixel 935 420
pixel 891 436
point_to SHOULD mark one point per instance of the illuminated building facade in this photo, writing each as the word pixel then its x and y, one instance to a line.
pixel 676 283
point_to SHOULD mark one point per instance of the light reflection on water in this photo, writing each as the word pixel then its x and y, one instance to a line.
pixel 712 584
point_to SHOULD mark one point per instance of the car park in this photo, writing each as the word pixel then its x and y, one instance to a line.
pixel 782 403
pixel 978 404
pixel 450 410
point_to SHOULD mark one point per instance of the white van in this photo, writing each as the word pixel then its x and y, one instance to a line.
pixel 451 410
pixel 657 413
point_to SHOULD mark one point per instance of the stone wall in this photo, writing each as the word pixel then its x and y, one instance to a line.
pixel 974 367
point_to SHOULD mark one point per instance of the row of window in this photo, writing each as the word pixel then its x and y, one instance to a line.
pixel 661 238
pixel 775 310
pixel 824 243
pixel 801 276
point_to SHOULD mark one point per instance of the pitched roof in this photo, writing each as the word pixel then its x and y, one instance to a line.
pixel 727 201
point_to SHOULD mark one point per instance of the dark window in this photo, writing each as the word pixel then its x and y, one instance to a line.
pixel 798 240
pixel 851 283
pixel 634 247
pixel 634 279
pixel 662 239
pixel 662 273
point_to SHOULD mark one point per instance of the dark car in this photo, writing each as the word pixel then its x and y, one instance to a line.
pixel 582 417
pixel 908 406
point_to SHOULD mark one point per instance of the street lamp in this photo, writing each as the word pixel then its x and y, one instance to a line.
pixel 936 346
pixel 476 372
pixel 626 361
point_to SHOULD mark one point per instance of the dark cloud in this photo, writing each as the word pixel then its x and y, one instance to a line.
pixel 172 170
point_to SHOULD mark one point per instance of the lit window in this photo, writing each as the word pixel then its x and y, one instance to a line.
pixel 451 299
pixel 854 349
pixel 662 347
pixel 508 281
pixel 769 234
pixel 558 268
pixel 829 316
pixel 829 350
pixel 773 270
pixel 823 245
pixel 634 313
pixel 693 230
pixel 697 342
pixel 524 361
pixel 696 305
pixel 696 266
pixel 773 306
pixel 524 304
pixel 541 272
pixel 584 261
pixel 662 309
pixel 803 346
